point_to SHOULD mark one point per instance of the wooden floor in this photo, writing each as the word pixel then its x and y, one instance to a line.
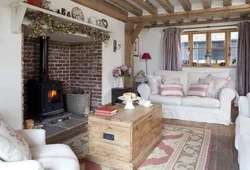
pixel 223 155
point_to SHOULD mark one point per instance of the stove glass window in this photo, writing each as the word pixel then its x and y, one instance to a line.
pixel 54 96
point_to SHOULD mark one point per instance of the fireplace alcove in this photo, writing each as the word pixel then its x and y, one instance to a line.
pixel 71 65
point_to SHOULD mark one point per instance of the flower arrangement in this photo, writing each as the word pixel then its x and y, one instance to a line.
pixel 122 71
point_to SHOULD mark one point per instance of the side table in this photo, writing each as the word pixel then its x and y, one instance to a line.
pixel 116 92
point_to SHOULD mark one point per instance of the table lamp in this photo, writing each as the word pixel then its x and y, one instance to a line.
pixel 146 56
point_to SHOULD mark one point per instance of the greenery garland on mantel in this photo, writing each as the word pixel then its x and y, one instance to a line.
pixel 41 23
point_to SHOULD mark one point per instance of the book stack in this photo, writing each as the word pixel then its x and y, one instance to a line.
pixel 105 111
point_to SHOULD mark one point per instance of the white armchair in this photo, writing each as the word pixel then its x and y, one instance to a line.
pixel 45 157
pixel 242 133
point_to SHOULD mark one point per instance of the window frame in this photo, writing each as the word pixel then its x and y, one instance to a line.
pixel 227 46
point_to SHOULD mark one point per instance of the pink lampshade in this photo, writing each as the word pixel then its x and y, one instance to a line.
pixel 146 56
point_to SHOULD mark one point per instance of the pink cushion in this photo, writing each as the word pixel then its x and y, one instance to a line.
pixel 12 145
pixel 154 83
pixel 199 90
pixel 210 82
pixel 171 90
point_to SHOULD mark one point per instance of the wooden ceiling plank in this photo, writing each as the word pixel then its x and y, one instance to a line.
pixel 198 22
pixel 227 2
pixel 166 5
pixel 206 4
pixel 193 13
pixel 185 4
pixel 105 8
pixel 128 7
pixel 147 6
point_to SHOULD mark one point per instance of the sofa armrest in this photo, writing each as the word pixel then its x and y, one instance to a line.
pixel 33 137
pixel 243 106
pixel 226 96
pixel 22 165
pixel 144 90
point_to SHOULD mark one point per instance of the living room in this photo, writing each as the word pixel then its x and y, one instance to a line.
pixel 186 59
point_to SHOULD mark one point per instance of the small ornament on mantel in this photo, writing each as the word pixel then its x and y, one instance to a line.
pixel 68 14
pixel 45 4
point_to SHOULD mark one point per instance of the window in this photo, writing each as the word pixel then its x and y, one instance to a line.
pixel 222 44
pixel 184 47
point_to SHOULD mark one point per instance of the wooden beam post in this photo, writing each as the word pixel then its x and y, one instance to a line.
pixel 129 49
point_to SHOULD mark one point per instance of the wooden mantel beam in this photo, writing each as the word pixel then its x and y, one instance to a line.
pixel 206 4
pixel 185 4
pixel 128 6
pixel 198 22
pixel 147 6
pixel 166 5
pixel 193 13
pixel 105 8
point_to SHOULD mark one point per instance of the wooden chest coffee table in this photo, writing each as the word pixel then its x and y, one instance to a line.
pixel 124 140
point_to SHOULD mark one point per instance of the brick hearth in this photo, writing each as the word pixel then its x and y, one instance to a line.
pixel 77 65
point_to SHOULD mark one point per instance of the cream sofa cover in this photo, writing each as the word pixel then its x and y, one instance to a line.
pixel 192 108
pixel 242 133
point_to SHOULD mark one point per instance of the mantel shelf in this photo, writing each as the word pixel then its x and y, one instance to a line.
pixel 19 9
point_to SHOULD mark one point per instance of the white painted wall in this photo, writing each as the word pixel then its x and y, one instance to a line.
pixel 10 60
pixel 10 70
pixel 151 41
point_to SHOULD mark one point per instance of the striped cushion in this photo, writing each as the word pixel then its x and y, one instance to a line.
pixel 199 90
pixel 171 90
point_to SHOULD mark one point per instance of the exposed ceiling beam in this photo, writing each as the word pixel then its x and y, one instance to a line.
pixel 193 13
pixel 166 5
pixel 105 8
pixel 244 15
pixel 137 31
pixel 198 22
pixel 206 4
pixel 185 4
pixel 226 16
pixel 128 7
pixel 147 6
pixel 227 2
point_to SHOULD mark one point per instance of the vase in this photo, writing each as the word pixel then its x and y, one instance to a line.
pixel 116 82
pixel 121 82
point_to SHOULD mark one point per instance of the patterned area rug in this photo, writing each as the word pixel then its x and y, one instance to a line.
pixel 182 148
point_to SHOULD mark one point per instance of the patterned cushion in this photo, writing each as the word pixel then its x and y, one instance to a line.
pixel 12 146
pixel 199 90
pixel 154 83
pixel 219 83
pixel 166 80
pixel 171 90
pixel 209 81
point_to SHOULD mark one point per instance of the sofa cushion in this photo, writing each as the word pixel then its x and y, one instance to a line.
pixel 154 83
pixel 199 90
pixel 168 100
pixel 209 81
pixel 55 157
pixel 242 128
pixel 12 145
pixel 171 90
pixel 174 74
pixel 200 102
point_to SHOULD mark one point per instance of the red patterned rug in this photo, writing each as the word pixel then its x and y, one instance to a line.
pixel 182 148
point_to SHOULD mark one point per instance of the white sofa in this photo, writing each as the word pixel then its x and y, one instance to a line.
pixel 45 157
pixel 192 108
pixel 242 133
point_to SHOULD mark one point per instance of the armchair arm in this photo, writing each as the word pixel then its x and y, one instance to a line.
pixel 33 137
pixel 144 90
pixel 226 96
pixel 243 106
pixel 22 165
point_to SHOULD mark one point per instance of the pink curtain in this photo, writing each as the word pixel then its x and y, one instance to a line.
pixel 172 49
pixel 243 63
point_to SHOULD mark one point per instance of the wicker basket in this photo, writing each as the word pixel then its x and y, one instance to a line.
pixel 77 103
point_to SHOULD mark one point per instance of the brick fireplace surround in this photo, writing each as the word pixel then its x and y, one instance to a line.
pixel 77 65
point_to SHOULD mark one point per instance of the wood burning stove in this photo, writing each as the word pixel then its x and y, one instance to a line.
pixel 45 97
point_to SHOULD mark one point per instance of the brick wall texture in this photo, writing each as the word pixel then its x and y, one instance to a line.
pixel 77 65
